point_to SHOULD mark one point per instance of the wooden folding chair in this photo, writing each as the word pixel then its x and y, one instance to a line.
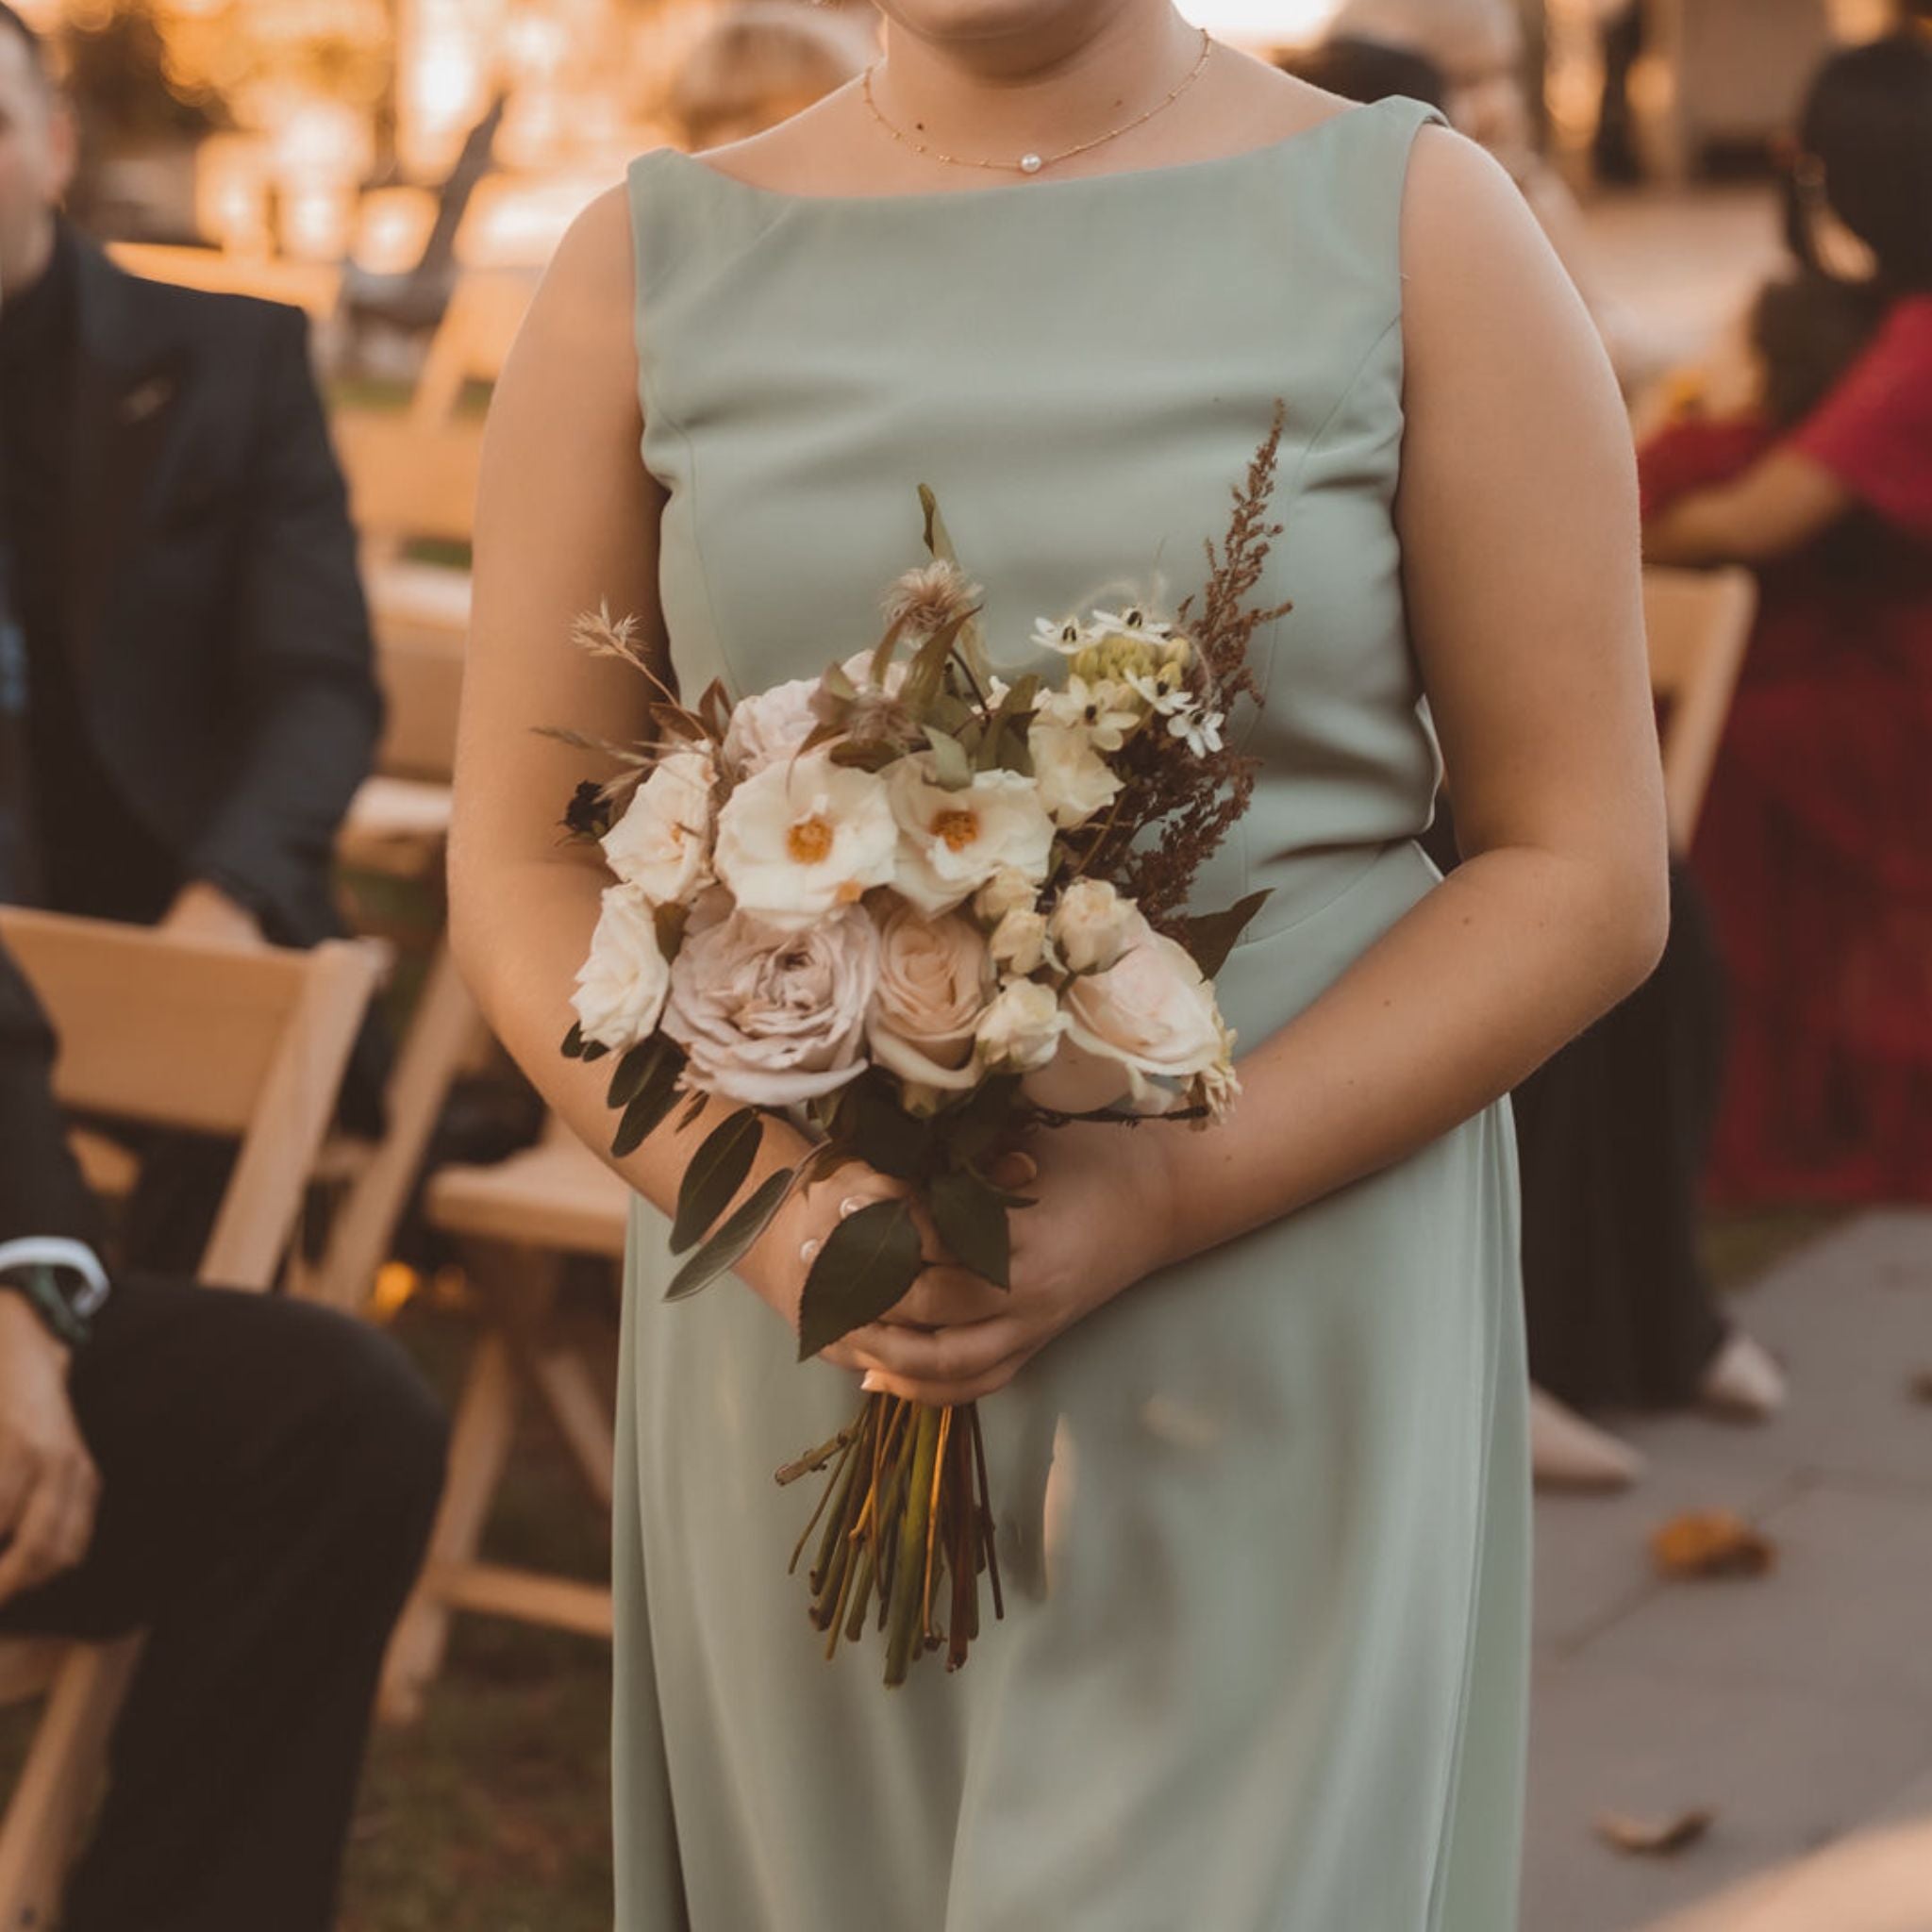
pixel 516 1222
pixel 1699 623
pixel 248 1042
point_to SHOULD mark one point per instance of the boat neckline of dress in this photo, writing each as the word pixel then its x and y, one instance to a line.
pixel 925 197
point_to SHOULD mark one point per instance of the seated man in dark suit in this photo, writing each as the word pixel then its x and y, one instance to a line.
pixel 248 1479
pixel 187 699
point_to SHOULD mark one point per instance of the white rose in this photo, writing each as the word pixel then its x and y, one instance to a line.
pixel 1091 925
pixel 935 980
pixel 662 844
pixel 1018 941
pixel 858 669
pixel 1074 780
pixel 1150 1013
pixel 804 835
pixel 771 1016
pixel 1022 1028
pixel 1008 890
pixel 620 987
pixel 951 842
pixel 770 726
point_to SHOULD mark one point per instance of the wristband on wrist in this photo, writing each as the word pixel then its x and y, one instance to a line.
pixel 62 1279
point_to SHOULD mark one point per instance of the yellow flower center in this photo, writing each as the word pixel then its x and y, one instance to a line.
pixel 959 829
pixel 810 841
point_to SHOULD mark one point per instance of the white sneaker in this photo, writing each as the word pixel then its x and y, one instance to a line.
pixel 1743 1380
pixel 1568 1453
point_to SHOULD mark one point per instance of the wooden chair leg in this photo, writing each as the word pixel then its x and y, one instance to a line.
pixel 479 1449
pixel 581 1413
pixel 64 1769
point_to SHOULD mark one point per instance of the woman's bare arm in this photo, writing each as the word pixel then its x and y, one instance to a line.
pixel 1518 517
pixel 567 517
pixel 1782 503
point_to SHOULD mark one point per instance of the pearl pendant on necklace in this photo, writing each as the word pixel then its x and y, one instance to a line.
pixel 1031 164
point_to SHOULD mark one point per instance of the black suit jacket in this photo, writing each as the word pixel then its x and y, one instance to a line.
pixel 42 1190
pixel 214 610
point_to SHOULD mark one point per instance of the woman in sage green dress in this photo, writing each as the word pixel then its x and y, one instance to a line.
pixel 1255 1406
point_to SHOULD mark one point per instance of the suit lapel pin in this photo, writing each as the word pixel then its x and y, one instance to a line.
pixel 146 397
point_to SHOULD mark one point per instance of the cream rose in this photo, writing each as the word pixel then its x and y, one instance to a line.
pixel 804 835
pixel 1091 925
pixel 1022 1028
pixel 935 980
pixel 1007 891
pixel 1150 1013
pixel 662 844
pixel 951 842
pixel 620 987
pixel 1075 781
pixel 770 726
pixel 770 1016
pixel 1019 942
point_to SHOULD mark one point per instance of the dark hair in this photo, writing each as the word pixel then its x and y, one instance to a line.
pixel 1364 70
pixel 1865 141
pixel 1867 130
pixel 35 48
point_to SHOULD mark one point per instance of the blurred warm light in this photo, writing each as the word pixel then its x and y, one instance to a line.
pixel 231 176
pixel 396 1284
pixel 391 226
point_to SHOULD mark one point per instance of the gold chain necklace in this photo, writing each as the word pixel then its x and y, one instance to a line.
pixel 1032 163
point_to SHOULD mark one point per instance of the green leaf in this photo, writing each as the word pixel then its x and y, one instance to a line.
pixel 972 1222
pixel 950 764
pixel 868 1262
pixel 882 654
pixel 926 679
pixel 716 1172
pixel 728 1246
pixel 1210 938
pixel 889 1138
pixel 653 1101
pixel 634 1068
pixel 574 1041
pixel 972 1130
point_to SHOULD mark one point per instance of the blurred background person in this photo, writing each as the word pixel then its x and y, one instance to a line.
pixel 187 684
pixel 1612 1131
pixel 761 62
pixel 247 1478
pixel 1816 842
pixel 1479 48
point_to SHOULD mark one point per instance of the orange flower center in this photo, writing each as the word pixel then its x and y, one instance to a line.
pixel 810 841
pixel 959 829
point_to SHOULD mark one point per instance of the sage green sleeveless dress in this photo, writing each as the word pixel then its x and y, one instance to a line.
pixel 1263 1520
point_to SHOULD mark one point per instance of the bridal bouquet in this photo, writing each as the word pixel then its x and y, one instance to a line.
pixel 921 913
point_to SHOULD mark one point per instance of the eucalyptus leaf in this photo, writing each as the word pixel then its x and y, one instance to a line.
pixel 868 1262
pixel 654 1100
pixel 731 1242
pixel 1210 938
pixel 634 1068
pixel 972 1221
pixel 714 1174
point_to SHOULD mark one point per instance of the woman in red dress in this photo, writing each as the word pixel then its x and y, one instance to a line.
pixel 1815 847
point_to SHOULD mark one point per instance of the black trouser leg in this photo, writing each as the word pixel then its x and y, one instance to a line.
pixel 269 1472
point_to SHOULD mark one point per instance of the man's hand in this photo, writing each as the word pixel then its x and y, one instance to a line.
pixel 49 1487
pixel 205 914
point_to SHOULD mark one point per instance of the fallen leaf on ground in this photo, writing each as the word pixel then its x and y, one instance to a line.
pixel 1654 1838
pixel 1712 1543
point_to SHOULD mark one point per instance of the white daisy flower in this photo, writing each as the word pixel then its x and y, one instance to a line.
pixel 1134 622
pixel 1061 633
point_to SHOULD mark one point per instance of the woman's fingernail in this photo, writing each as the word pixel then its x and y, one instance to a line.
pixel 851 1205
pixel 870 1381
pixel 808 1248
